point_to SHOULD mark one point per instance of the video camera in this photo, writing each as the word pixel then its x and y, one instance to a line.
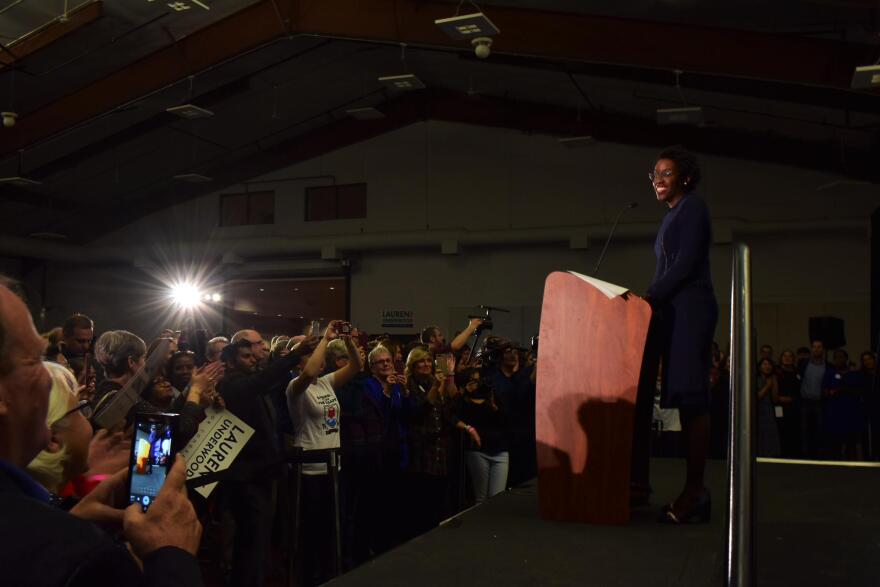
pixel 486 317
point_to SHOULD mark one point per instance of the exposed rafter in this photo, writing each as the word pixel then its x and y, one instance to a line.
pixel 548 35
pixel 77 19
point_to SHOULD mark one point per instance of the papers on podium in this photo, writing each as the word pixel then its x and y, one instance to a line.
pixel 609 289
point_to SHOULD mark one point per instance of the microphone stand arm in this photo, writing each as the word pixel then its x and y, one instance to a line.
pixel 608 240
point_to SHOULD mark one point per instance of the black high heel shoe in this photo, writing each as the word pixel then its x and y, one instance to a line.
pixel 701 512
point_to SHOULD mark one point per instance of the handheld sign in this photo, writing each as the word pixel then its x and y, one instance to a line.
pixel 217 443
pixel 118 406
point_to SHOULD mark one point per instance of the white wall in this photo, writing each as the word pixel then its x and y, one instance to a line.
pixel 441 175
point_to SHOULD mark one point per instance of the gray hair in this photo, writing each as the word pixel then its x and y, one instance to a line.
pixel 379 350
pixel 336 350
pixel 113 349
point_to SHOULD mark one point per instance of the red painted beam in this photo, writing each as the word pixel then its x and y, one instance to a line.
pixel 46 35
pixel 552 35
pixel 240 32
pixel 598 39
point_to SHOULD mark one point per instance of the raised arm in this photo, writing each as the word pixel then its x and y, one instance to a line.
pixel 276 372
pixel 315 365
pixel 355 365
pixel 463 336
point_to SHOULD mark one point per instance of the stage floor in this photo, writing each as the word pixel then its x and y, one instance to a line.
pixel 817 525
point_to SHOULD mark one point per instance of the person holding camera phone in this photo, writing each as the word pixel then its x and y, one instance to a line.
pixel 385 389
pixel 43 545
pixel 430 393
pixel 315 413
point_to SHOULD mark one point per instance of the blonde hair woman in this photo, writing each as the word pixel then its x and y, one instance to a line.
pixel 67 453
pixel 430 425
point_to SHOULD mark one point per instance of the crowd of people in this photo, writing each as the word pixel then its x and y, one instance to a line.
pixel 813 408
pixel 423 429
pixel 808 407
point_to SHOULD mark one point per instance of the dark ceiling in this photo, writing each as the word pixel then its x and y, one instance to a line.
pixel 91 91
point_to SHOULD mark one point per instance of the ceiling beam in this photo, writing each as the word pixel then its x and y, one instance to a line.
pixel 531 33
pixel 225 39
pixel 598 39
pixel 50 32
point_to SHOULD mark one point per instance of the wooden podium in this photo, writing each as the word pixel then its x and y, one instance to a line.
pixel 588 373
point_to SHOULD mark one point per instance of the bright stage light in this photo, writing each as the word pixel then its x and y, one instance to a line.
pixel 216 297
pixel 185 295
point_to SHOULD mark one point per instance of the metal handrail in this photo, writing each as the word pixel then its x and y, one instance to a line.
pixel 740 571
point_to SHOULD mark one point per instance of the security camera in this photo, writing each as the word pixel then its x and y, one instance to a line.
pixel 482 46
pixel 9 119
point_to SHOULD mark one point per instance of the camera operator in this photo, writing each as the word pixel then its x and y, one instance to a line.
pixel 42 545
pixel 433 337
pixel 246 394
pixel 513 386
pixel 315 413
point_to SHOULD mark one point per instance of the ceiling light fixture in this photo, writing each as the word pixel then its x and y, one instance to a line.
pixel 19 179
pixel 864 77
pixel 190 111
pixel 193 178
pixel 467 26
pixel 367 113
pixel 402 83
pixel 576 142
pixel 685 114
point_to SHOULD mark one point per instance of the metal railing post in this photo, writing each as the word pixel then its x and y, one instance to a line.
pixel 740 570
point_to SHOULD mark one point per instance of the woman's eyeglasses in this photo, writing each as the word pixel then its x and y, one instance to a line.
pixel 665 174
pixel 84 406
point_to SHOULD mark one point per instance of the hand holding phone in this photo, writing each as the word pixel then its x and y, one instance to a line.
pixel 172 520
pixel 152 454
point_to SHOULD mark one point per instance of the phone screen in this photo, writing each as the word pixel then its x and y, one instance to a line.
pixel 440 365
pixel 152 454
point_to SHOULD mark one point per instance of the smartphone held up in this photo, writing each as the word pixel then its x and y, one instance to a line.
pixel 152 456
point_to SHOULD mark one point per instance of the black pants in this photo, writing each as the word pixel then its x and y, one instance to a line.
pixel 316 530
pixel 426 504
pixel 251 508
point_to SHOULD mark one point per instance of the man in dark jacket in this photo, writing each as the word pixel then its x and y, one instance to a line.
pixel 42 545
pixel 246 394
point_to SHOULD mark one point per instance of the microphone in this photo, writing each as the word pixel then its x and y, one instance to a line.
pixel 611 234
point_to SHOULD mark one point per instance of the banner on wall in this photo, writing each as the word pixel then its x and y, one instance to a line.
pixel 397 318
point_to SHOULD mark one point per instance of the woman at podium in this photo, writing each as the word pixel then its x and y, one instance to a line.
pixel 685 314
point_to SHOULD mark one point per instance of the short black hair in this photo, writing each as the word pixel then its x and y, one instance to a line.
pixel 230 352
pixel 686 163
pixel 77 321
pixel 427 333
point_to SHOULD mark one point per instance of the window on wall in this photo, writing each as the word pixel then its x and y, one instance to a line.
pixel 336 202
pixel 246 209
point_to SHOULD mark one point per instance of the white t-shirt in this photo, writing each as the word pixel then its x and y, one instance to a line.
pixel 315 417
